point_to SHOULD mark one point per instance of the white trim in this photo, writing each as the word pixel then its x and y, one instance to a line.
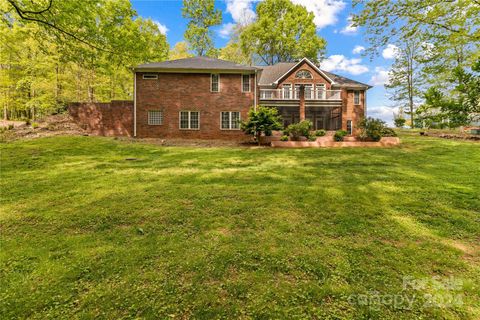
pixel 311 65
pixel 255 92
pixel 249 82
pixel 134 104
pixel 155 76
pixel 230 120
pixel 188 119
pixel 211 82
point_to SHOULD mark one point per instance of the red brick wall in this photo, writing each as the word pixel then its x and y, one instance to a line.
pixel 104 119
pixel 350 111
pixel 175 92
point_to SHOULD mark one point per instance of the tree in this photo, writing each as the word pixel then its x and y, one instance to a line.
pixel 233 50
pixel 263 120
pixel 283 32
pixel 203 16
pixel 462 106
pixel 180 51
pixel 399 122
pixel 405 78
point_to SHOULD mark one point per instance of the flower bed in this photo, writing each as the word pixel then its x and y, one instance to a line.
pixel 328 142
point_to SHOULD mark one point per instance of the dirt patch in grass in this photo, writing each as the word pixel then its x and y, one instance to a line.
pixel 54 125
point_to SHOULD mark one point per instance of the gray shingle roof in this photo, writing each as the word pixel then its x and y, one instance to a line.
pixel 269 74
pixel 195 63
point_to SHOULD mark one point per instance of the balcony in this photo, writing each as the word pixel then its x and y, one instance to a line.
pixel 289 94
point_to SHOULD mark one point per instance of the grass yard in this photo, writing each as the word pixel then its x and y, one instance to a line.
pixel 224 233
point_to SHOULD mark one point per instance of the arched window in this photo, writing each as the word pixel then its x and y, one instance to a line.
pixel 303 74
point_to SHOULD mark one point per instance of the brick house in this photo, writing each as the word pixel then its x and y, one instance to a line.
pixel 206 98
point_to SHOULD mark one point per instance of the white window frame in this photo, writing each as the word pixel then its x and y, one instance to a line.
pixel 150 76
pixel 312 91
pixel 289 87
pixel 211 82
pixel 350 132
pixel 249 83
pixel 189 120
pixel 355 102
pixel 321 90
pixel 149 118
pixel 230 122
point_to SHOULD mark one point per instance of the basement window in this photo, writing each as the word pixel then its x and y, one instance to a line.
pixel 230 120
pixel 150 76
pixel 189 120
pixel 155 118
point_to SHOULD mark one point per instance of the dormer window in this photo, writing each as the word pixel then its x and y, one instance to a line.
pixel 303 74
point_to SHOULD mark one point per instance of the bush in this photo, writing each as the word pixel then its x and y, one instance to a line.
pixel 10 127
pixel 320 133
pixel 301 129
pixel 34 125
pixel 388 132
pixel 339 135
pixel 373 129
pixel 399 122
pixel 312 138
pixel 284 138
pixel 262 120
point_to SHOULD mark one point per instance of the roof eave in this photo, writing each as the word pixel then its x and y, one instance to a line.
pixel 311 65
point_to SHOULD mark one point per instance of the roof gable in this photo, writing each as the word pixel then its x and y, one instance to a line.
pixel 311 64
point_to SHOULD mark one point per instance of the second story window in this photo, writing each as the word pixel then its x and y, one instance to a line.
pixel 356 97
pixel 245 83
pixel 215 82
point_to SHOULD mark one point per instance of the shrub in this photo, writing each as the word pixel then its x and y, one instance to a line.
pixel 284 138
pixel 262 120
pixel 399 122
pixel 372 129
pixel 10 126
pixel 320 133
pixel 34 125
pixel 388 132
pixel 301 129
pixel 312 138
pixel 339 135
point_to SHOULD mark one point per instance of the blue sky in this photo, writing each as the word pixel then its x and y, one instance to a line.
pixel 344 43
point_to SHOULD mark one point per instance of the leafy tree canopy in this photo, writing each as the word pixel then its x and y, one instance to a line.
pixel 282 32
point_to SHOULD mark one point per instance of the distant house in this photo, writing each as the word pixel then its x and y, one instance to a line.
pixel 207 98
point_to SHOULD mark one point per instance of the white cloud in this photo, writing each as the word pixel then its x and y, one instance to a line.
pixel 241 11
pixel 325 11
pixel 163 28
pixel 380 78
pixel 226 30
pixel 338 62
pixel 358 49
pixel 382 112
pixel 390 52
pixel 349 28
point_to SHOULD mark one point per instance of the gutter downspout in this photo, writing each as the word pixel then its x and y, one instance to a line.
pixel 134 103
pixel 255 92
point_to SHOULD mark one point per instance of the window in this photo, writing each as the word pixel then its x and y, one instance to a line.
pixel 349 126
pixel 356 97
pixel 215 83
pixel 308 91
pixel 287 91
pixel 155 118
pixel 303 74
pixel 189 120
pixel 230 120
pixel 321 92
pixel 245 83
pixel 150 76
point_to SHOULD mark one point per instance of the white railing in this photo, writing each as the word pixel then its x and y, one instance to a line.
pixel 294 94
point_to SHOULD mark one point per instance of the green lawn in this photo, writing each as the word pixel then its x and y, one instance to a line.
pixel 224 233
